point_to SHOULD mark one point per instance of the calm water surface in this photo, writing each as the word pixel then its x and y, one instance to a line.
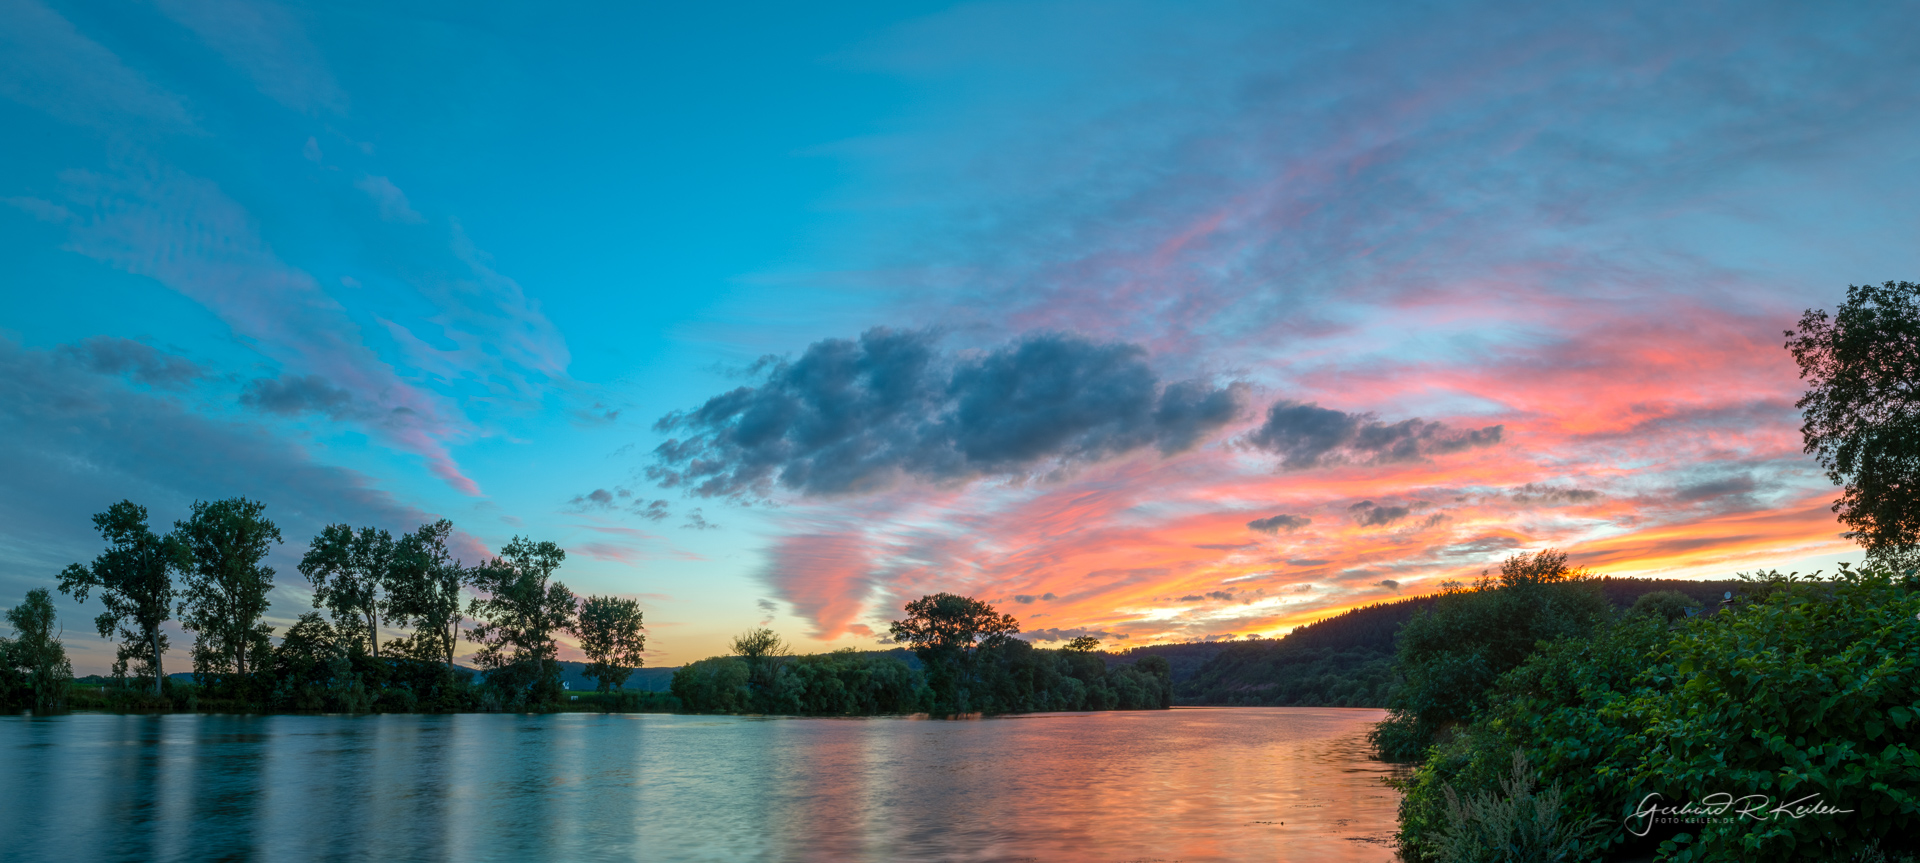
pixel 1191 785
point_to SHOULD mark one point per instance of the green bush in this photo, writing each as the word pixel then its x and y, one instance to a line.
pixel 1813 690
pixel 1802 688
pixel 1515 825
pixel 1570 711
pixel 1449 657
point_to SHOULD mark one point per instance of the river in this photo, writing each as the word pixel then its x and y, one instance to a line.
pixel 1229 784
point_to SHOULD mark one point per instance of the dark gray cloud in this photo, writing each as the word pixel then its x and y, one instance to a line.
pixel 855 415
pixel 1389 584
pixel 1278 523
pixel 1026 599
pixel 114 356
pixel 1307 561
pixel 1535 494
pixel 1369 514
pixel 292 395
pixel 1191 597
pixel 599 498
pixel 618 500
pixel 1741 484
pixel 696 521
pixel 1306 435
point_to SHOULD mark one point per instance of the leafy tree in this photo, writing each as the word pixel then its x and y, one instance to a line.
pixel 1861 411
pixel 715 685
pixel 1803 687
pixel 227 587
pixel 611 635
pixel 518 617
pixel 1450 656
pixel 425 592
pixel 37 653
pixel 351 573
pixel 1665 604
pixel 135 579
pixel 312 669
pixel 1083 644
pixel 948 633
pixel 764 651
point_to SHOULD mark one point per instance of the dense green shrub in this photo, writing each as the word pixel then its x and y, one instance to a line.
pixel 1802 688
pixel 1570 711
pixel 1814 690
pixel 1450 656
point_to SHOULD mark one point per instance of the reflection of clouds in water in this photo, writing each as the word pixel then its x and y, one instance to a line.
pixel 1220 784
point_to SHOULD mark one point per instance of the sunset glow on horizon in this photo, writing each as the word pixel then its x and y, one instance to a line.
pixel 1148 321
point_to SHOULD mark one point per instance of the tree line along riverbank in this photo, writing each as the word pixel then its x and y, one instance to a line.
pixel 208 575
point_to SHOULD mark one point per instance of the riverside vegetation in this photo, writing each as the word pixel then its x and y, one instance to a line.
pixel 1803 692
pixel 367 580
pixel 963 657
pixel 967 661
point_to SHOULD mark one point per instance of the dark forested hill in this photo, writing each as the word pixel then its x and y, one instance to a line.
pixel 1346 660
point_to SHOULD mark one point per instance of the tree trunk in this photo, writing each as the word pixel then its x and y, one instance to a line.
pixel 158 674
pixel 373 631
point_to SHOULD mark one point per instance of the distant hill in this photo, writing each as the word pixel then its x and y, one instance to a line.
pixel 1346 660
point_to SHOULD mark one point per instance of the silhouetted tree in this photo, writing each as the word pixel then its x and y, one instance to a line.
pixel 948 632
pixel 226 590
pixel 135 579
pixel 1083 644
pixel 611 635
pixel 765 651
pixel 350 572
pixel 37 653
pixel 425 591
pixel 1861 411
pixel 516 621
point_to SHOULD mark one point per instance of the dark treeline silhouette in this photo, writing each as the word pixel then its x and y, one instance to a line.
pixel 966 660
pixel 208 575
pixel 1347 660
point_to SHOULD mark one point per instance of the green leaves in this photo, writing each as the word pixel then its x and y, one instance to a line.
pixel 1862 410
pixel 1808 688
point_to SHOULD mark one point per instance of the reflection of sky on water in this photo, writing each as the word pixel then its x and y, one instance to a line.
pixel 1238 784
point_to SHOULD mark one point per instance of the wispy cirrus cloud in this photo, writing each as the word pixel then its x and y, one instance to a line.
pixel 48 64
pixel 267 42
pixel 153 220
pixel 1508 281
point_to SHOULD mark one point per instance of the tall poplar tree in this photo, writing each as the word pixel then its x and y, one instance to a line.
pixel 425 592
pixel 352 574
pixel 226 590
pixel 516 621
pixel 135 579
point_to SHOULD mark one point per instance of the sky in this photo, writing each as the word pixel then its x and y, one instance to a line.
pixel 1149 321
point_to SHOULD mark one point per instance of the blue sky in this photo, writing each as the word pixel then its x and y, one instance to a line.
pixel 378 264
